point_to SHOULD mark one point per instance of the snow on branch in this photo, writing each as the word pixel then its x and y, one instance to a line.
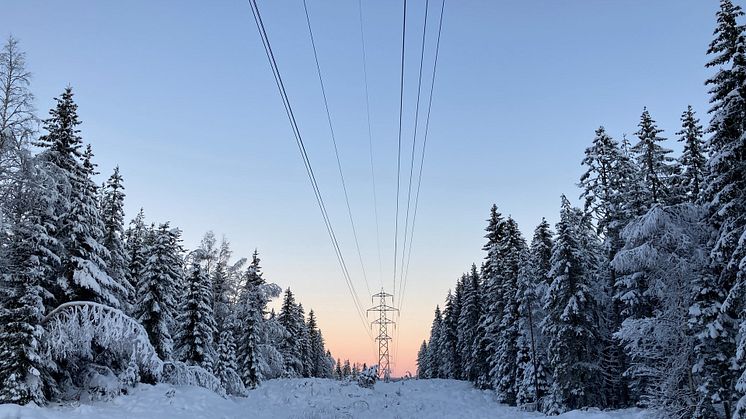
pixel 73 327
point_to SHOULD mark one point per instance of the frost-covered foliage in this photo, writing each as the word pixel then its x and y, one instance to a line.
pixel 181 374
pixel 226 365
pixel 368 377
pixel 81 332
pixel 667 245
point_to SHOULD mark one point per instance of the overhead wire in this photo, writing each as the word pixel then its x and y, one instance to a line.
pixel 306 161
pixel 419 176
pixel 414 146
pixel 398 157
pixel 334 142
pixel 370 144
pixel 424 142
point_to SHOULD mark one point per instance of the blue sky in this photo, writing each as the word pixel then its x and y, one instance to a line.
pixel 180 95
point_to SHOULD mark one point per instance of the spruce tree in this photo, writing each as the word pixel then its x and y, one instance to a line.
pixel 79 229
pixel 492 301
pixel 226 365
pixel 250 318
pixel 571 322
pixel 290 347
pixel 136 241
pixel 468 323
pixel 422 366
pixel 158 288
pixel 112 211
pixel 718 304
pixel 503 362
pixel 434 362
pixel 693 159
pixel 531 378
pixel 25 371
pixel 448 337
pixel 196 323
pixel 653 160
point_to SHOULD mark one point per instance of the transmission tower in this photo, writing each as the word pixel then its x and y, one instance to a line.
pixel 383 338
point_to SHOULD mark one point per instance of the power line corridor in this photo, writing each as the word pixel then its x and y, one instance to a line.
pixel 387 314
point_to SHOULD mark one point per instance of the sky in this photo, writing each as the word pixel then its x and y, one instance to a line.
pixel 179 94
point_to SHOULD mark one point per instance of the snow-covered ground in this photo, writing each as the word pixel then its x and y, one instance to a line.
pixel 304 398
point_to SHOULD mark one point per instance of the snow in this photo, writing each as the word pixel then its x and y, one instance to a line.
pixel 306 399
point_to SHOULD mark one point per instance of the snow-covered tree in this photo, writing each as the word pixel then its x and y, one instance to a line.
pixel 136 240
pixel 667 245
pixel 434 362
pixel 693 160
pixel 422 366
pixel 79 229
pixel 571 322
pixel 468 322
pixel 449 362
pixel 531 379
pixel 195 321
pixel 718 304
pixel 159 288
pixel 503 362
pixel 492 302
pixel 226 364
pixel 291 347
pixel 654 161
pixel 112 211
pixel 25 371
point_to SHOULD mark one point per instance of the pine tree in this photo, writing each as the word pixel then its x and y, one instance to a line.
pixel 422 366
pixel 653 161
pixel 80 227
pixel 571 322
pixel 196 323
pixel 112 211
pixel 693 159
pixel 157 293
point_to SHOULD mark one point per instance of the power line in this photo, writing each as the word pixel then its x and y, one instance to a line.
pixel 370 144
pixel 419 176
pixel 424 145
pixel 336 150
pixel 414 146
pixel 398 157
pixel 306 160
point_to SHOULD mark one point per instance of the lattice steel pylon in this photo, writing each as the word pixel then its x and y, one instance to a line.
pixel 383 338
